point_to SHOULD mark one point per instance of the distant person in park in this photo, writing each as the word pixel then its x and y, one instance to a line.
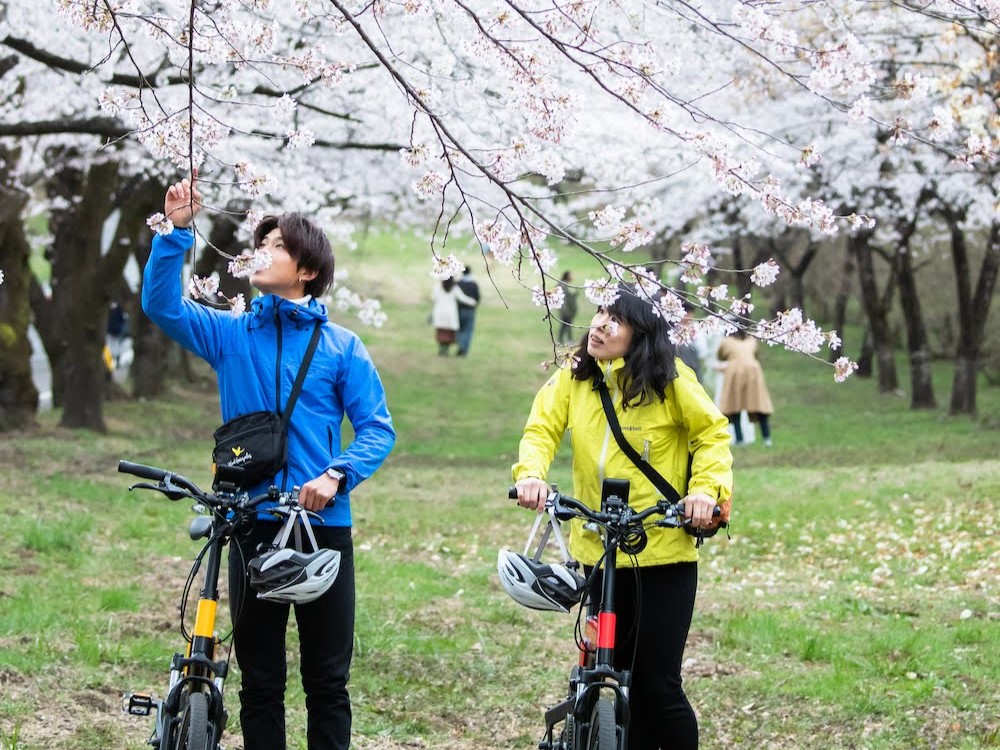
pixel 743 386
pixel 244 351
pixel 567 313
pixel 444 313
pixel 117 333
pixel 663 409
pixel 466 312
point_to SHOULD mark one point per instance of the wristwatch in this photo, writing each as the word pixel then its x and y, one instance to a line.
pixel 336 474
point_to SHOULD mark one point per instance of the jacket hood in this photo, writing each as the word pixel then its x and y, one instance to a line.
pixel 263 308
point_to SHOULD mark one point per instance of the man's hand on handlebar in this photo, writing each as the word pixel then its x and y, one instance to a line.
pixel 318 493
pixel 699 510
pixel 532 493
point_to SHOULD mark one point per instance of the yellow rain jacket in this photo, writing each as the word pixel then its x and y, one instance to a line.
pixel 661 432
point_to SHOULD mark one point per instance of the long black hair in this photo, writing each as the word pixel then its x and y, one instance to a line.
pixel 649 362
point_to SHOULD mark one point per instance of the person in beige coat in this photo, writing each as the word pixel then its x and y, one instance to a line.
pixel 743 386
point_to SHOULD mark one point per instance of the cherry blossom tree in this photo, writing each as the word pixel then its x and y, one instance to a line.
pixel 536 128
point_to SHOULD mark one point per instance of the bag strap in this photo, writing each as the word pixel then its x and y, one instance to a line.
pixel 661 484
pixel 300 377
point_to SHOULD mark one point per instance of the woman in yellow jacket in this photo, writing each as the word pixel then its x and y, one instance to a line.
pixel 668 418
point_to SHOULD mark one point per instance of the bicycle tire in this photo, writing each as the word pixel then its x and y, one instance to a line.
pixel 193 731
pixel 603 732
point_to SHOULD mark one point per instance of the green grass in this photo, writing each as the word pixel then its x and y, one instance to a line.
pixel 855 605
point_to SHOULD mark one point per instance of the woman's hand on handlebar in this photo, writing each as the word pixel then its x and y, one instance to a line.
pixel 532 493
pixel 699 510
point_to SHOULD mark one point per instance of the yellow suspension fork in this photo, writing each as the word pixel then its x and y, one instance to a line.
pixel 203 635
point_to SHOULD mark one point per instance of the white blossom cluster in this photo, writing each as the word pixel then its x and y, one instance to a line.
pixel 248 262
pixel 206 288
pixel 534 114
pixel 368 310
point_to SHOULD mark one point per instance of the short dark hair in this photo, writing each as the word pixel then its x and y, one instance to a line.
pixel 306 243
pixel 649 362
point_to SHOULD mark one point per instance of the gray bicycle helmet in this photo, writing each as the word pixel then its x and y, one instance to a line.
pixel 285 574
pixel 537 585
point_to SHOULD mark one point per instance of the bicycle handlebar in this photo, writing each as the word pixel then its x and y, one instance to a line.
pixel 566 507
pixel 176 486
pixel 141 470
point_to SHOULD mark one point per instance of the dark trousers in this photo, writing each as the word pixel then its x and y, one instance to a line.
pixel 761 419
pixel 466 325
pixel 326 640
pixel 652 646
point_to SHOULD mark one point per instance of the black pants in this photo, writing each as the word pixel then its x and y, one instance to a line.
pixel 326 641
pixel 762 419
pixel 652 646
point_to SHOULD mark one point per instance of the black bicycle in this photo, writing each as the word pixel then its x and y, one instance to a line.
pixel 595 714
pixel 192 714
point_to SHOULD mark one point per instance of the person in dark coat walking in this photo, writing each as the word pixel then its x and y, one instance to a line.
pixel 466 312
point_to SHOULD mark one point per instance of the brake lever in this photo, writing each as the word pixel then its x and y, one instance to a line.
pixel 171 491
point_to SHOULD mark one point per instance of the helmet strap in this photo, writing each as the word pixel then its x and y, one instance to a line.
pixel 552 528
pixel 296 519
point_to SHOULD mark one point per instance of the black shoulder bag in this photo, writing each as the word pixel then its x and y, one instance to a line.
pixel 254 447
pixel 665 488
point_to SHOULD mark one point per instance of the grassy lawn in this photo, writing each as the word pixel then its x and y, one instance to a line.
pixel 855 606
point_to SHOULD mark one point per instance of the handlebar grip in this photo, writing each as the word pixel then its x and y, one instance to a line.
pixel 512 493
pixel 141 470
pixel 716 511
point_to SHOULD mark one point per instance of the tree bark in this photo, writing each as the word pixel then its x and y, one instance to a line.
pixel 973 309
pixel 796 270
pixel 876 311
pixel 76 315
pixel 18 395
pixel 917 342
pixel 149 345
pixel 840 303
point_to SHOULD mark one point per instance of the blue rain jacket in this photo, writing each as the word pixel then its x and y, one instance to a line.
pixel 341 380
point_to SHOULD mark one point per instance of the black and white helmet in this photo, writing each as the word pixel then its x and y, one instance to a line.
pixel 286 574
pixel 537 585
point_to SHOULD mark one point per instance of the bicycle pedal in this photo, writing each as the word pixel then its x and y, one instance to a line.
pixel 138 704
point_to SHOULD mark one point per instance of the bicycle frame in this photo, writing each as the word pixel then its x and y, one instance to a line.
pixel 192 715
pixel 197 670
pixel 596 713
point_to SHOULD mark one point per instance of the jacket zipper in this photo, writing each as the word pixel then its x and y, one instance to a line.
pixel 277 384
pixel 607 431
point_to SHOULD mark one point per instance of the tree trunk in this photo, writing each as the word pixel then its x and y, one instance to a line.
pixel 973 310
pixel 77 313
pixel 795 279
pixel 840 303
pixel 917 343
pixel 18 395
pixel 866 355
pixel 875 310
pixel 149 346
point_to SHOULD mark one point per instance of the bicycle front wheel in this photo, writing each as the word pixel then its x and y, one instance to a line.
pixel 193 729
pixel 603 734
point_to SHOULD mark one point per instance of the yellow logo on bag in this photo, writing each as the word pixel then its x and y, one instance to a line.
pixel 238 451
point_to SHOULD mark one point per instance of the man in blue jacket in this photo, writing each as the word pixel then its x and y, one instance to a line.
pixel 341 379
